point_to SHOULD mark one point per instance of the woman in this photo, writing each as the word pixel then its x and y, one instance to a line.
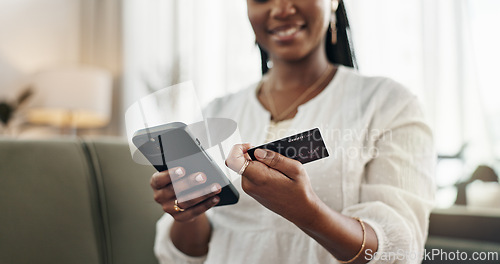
pixel 372 195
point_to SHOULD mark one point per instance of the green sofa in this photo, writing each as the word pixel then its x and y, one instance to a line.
pixel 75 201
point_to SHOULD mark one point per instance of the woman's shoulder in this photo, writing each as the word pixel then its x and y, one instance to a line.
pixel 375 87
pixel 234 100
pixel 381 98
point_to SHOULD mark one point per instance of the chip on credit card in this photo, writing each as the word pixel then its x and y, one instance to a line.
pixel 304 147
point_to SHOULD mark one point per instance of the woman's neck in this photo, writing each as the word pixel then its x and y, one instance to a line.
pixel 296 75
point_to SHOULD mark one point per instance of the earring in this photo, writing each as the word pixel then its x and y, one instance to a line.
pixel 333 21
pixel 270 64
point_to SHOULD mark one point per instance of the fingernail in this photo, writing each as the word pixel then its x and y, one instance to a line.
pixel 215 188
pixel 215 199
pixel 260 153
pixel 158 173
pixel 179 172
pixel 199 178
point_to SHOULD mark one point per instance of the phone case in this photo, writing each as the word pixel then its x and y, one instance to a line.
pixel 173 145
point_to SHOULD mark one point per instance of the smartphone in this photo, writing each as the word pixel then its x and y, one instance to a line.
pixel 172 145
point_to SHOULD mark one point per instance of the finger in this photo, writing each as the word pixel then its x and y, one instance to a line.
pixel 259 174
pixel 246 147
pixel 237 156
pixel 196 210
pixel 287 166
pixel 192 199
pixel 164 178
pixel 188 182
pixel 164 194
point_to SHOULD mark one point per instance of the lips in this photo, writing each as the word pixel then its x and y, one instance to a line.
pixel 286 32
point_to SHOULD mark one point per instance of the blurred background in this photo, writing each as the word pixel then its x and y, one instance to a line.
pixel 72 67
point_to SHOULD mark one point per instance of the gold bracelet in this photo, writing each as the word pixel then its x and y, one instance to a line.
pixel 362 244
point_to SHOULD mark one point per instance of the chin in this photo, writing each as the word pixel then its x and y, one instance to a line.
pixel 291 55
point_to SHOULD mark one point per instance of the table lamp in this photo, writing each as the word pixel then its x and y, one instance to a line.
pixel 71 98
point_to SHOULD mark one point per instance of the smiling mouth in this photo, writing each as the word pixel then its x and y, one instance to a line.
pixel 286 31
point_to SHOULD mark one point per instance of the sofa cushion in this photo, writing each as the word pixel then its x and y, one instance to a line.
pixel 48 211
pixel 128 209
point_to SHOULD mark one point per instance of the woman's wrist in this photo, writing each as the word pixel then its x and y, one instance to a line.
pixel 310 212
pixel 192 237
pixel 344 237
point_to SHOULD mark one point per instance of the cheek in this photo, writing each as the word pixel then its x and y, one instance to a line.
pixel 327 15
pixel 327 9
pixel 256 18
pixel 322 12
pixel 253 22
pixel 317 13
pixel 258 23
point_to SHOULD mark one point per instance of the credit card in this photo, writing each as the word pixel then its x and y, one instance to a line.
pixel 305 147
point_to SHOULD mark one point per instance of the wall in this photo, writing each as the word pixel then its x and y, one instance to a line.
pixel 35 34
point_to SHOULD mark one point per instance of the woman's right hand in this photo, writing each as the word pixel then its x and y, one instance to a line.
pixel 194 203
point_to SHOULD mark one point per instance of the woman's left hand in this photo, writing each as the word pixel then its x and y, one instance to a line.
pixel 279 183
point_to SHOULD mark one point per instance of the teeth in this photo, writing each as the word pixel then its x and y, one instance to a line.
pixel 287 32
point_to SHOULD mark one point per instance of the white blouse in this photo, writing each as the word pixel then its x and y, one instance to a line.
pixel 380 169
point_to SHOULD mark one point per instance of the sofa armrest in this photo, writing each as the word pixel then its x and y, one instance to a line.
pixel 466 223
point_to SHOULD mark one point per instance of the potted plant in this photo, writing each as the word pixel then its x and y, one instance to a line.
pixel 8 110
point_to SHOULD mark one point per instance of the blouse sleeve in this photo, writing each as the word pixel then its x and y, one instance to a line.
pixel 397 189
pixel 164 249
